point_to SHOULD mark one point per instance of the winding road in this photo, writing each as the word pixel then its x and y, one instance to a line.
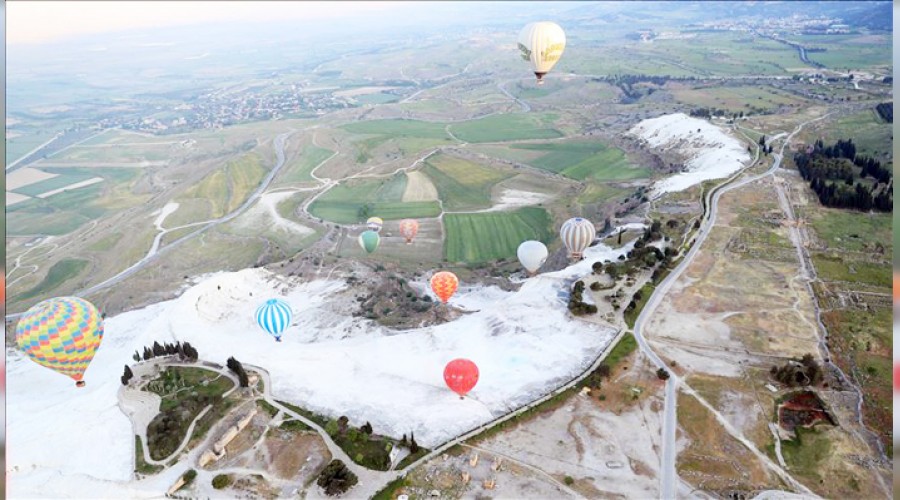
pixel 668 473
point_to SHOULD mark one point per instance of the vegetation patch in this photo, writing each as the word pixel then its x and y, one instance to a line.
pixel 506 127
pixel 185 392
pixel 59 273
pixel 399 127
pixel 585 161
pixel 492 236
pixel 461 184
pixel 336 478
pixel 140 465
pixel 300 169
pixel 355 201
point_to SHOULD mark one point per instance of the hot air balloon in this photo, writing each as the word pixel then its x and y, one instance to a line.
pixel 375 223
pixel 461 375
pixel 408 229
pixel 444 285
pixel 62 334
pixel 369 240
pixel 577 234
pixel 532 255
pixel 274 316
pixel 542 45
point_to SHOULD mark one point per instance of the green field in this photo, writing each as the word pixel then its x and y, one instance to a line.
pixel 585 161
pixel 871 135
pixel 300 169
pixel 347 202
pixel 407 128
pixel 51 184
pixel 461 184
pixel 377 98
pixel 486 237
pixel 736 99
pixel 106 243
pixel 57 215
pixel 58 274
pixel 600 193
pixel 853 231
pixel 17 147
pixel 832 268
pixel 224 190
pixel 506 127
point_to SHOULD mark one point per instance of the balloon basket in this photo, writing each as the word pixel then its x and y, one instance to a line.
pixel 80 383
pixel 462 397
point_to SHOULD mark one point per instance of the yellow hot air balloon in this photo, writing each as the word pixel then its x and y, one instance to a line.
pixel 62 334
pixel 542 45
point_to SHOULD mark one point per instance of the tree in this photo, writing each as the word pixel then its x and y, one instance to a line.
pixel 367 428
pixel 343 422
pixel 221 481
pixel 597 267
pixel 336 478
pixel 158 350
pixel 413 445
pixel 663 374
pixel 604 370
pixel 128 373
pixel 403 442
pixel 147 354
pixel 136 357
pixel 124 380
pixel 331 428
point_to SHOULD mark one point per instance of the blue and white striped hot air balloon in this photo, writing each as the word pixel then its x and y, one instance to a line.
pixel 274 316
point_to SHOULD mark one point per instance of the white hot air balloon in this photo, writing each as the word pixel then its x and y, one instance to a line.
pixel 542 45
pixel 532 255
pixel 577 234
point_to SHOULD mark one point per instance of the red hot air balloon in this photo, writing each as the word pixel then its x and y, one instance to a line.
pixel 461 376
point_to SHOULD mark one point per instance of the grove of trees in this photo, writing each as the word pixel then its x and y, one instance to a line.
pixel 832 173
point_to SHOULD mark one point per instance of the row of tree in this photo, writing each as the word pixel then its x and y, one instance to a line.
pixel 238 369
pixel 185 351
pixel 576 303
pixel 886 111
pixel 830 173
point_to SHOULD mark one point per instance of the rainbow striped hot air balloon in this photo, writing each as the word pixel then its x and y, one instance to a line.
pixel 62 334
pixel 274 316
pixel 369 240
pixel 375 223
pixel 577 234
pixel 408 229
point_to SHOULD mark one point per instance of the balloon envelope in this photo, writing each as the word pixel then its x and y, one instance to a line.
pixel 369 240
pixel 577 234
pixel 62 334
pixel 274 316
pixel 461 375
pixel 532 255
pixel 408 229
pixel 374 223
pixel 542 44
pixel 444 285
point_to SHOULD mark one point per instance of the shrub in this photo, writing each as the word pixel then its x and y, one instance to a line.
pixel 595 286
pixel 336 478
pixel 189 476
pixel 662 373
pixel 568 480
pixel 221 481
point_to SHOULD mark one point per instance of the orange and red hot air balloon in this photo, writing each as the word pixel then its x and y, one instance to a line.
pixel 461 375
pixel 408 229
pixel 444 285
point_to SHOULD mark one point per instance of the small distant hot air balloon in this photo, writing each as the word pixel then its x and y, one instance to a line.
pixel 369 240
pixel 542 45
pixel 532 255
pixel 577 234
pixel 274 316
pixel 62 334
pixel 408 229
pixel 375 223
pixel 461 375
pixel 444 285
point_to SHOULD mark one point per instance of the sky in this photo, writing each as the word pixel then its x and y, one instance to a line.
pixel 31 22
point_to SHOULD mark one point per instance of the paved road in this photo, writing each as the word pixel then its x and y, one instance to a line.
pixel 668 474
